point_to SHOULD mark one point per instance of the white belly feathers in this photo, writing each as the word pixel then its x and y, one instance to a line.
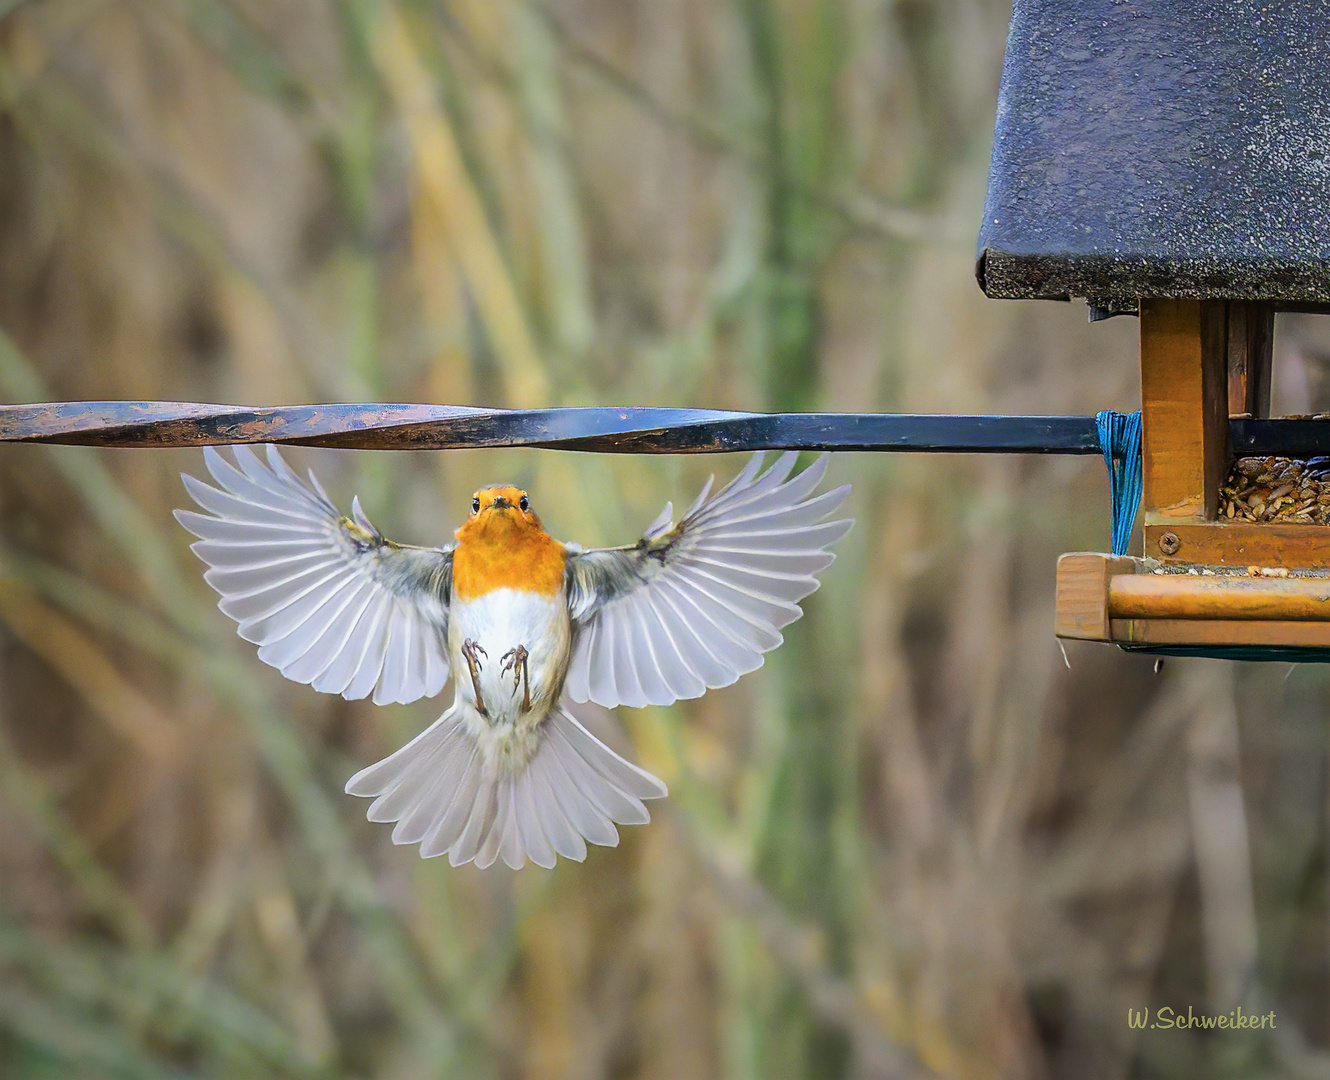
pixel 498 623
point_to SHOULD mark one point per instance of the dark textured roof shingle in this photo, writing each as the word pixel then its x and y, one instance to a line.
pixel 1161 148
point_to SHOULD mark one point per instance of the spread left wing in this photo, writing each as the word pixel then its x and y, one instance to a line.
pixel 328 600
pixel 694 606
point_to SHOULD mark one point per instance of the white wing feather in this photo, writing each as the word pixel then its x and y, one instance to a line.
pixel 694 606
pixel 328 600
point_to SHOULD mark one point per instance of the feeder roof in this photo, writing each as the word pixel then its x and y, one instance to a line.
pixel 1161 148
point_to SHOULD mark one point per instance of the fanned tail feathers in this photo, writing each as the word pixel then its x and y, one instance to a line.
pixel 445 797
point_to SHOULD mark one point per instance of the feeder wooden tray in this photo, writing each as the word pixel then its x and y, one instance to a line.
pixel 1125 600
pixel 1204 580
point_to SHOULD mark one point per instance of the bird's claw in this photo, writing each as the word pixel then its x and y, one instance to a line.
pixel 469 650
pixel 511 659
pixel 514 660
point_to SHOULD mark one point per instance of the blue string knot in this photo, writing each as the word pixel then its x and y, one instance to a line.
pixel 1120 441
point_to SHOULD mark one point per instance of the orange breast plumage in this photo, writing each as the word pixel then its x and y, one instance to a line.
pixel 506 549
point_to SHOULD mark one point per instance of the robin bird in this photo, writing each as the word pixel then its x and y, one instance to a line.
pixel 525 622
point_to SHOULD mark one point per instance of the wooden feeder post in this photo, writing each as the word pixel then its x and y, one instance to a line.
pixel 1184 417
pixel 1184 203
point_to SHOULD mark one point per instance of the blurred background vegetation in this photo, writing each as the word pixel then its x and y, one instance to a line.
pixel 915 844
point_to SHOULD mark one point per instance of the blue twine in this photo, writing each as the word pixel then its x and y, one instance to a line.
pixel 1120 441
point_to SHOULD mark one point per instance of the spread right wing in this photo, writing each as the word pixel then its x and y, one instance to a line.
pixel 694 605
pixel 328 600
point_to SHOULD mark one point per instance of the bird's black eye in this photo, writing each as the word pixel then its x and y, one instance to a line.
pixel 475 505
pixel 523 503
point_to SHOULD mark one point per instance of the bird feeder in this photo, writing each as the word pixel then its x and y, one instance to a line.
pixel 1171 160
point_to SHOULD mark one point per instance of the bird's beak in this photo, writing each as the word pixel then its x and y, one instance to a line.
pixel 500 503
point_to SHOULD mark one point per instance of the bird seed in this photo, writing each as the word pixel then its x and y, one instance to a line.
pixel 1277 489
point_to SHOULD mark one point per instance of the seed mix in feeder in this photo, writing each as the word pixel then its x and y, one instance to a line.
pixel 1286 490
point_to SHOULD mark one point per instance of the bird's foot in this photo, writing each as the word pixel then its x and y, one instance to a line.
pixel 514 660
pixel 470 649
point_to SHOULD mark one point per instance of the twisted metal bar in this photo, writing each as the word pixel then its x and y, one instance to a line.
pixel 602 430
pixel 605 430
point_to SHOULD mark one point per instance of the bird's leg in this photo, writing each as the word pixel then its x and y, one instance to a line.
pixel 469 650
pixel 515 660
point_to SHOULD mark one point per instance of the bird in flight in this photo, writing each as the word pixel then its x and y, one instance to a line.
pixel 524 622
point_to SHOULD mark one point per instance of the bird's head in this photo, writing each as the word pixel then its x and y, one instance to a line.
pixel 501 508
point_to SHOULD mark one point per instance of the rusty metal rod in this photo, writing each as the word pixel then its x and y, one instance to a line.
pixel 603 430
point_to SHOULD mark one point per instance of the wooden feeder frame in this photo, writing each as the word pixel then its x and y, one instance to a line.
pixel 1202 362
